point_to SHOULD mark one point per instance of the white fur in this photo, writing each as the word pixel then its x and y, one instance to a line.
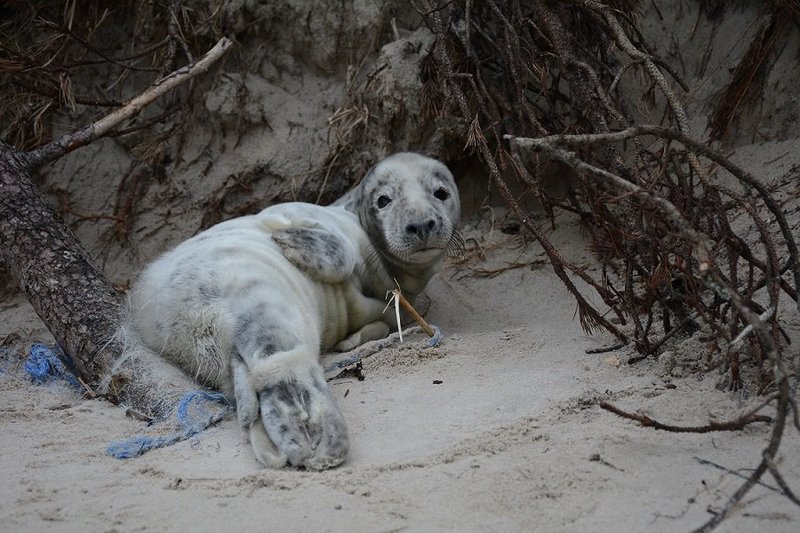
pixel 243 308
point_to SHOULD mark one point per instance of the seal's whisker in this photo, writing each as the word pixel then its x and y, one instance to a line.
pixel 455 246
pixel 371 261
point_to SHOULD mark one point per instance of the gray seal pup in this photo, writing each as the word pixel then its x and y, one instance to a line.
pixel 248 306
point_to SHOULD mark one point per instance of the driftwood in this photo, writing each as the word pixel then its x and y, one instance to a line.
pixel 646 421
pixel 60 279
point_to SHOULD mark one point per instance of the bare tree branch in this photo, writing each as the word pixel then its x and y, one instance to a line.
pixel 71 141
pixel 696 146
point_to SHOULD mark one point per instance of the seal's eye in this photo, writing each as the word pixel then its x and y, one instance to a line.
pixel 383 201
pixel 441 194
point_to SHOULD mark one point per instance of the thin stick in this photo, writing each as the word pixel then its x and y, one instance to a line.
pixel 733 473
pixel 76 139
pixel 737 342
pixel 395 299
pixel 413 312
pixel 89 392
pixel 732 425
pixel 781 482
pixel 606 349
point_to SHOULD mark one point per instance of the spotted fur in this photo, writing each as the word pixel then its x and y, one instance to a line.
pixel 248 305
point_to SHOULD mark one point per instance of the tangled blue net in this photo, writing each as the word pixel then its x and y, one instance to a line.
pixel 45 364
pixel 335 367
pixel 192 415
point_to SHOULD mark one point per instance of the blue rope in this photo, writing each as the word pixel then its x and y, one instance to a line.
pixel 187 421
pixel 361 354
pixel 434 341
pixel 192 424
pixel 45 364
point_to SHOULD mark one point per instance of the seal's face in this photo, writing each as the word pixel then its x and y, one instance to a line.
pixel 409 206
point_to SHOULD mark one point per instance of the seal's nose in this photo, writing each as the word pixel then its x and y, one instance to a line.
pixel 421 230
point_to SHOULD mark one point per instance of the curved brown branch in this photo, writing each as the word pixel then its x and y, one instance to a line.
pixel 731 425
pixel 787 491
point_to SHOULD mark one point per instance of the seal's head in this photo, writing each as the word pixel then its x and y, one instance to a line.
pixel 408 204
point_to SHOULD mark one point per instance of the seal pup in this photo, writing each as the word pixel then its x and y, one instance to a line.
pixel 248 306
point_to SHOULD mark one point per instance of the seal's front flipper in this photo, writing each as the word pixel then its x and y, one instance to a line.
pixel 322 254
pixel 248 413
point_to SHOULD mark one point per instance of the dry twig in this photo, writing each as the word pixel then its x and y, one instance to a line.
pixel 646 421
pixel 102 127
pixel 659 220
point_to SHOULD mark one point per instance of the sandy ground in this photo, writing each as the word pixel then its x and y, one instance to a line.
pixel 510 440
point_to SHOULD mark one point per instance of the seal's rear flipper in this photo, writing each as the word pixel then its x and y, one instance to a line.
pixel 300 418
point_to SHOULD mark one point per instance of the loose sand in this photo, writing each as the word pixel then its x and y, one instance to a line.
pixel 511 439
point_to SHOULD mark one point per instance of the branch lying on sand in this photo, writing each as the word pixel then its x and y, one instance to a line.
pixel 732 425
pixel 713 280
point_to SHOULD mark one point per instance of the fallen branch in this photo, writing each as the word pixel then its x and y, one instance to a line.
pixel 773 469
pixel 61 280
pixel 732 425
pixel 713 280
pixel 605 349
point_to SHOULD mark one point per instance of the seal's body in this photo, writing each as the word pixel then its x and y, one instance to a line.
pixel 248 305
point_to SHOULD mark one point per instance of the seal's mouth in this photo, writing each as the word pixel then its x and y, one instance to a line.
pixel 425 255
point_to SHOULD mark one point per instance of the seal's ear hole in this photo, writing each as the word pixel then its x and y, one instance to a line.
pixel 383 201
pixel 441 194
